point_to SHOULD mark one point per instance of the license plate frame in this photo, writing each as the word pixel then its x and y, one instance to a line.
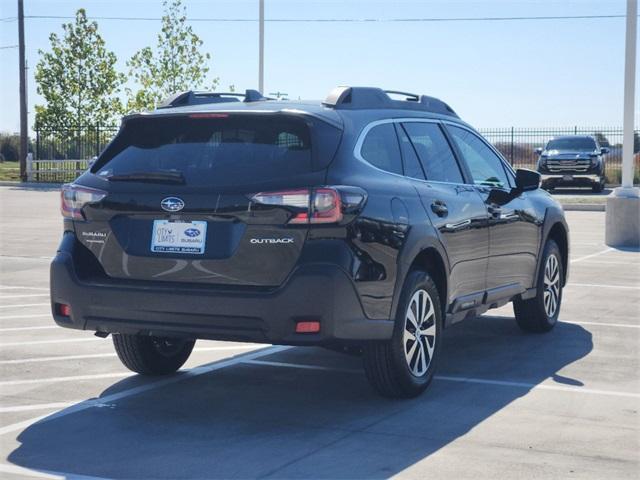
pixel 179 236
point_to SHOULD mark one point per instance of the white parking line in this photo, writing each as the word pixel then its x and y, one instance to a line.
pixel 25 472
pixel 580 259
pixel 18 287
pixel 24 295
pixel 36 315
pixel 113 354
pixel 301 366
pixel 25 305
pixel 152 385
pixel 599 285
pixel 25 329
pixel 71 378
pixel 536 386
pixel 600 324
pixel 45 342
pixel 501 383
pixel 40 406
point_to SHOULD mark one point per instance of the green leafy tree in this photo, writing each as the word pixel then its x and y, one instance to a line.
pixel 176 64
pixel 77 78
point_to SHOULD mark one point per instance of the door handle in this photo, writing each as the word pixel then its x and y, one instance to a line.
pixel 439 208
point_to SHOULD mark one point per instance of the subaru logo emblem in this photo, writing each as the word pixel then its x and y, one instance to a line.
pixel 172 204
pixel 192 232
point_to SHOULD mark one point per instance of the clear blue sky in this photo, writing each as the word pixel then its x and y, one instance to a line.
pixel 519 73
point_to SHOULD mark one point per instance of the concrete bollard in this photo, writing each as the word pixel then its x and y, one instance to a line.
pixel 622 227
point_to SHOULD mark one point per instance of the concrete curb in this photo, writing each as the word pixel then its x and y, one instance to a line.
pixel 584 207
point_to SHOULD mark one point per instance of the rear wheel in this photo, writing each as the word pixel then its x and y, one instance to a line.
pixel 540 313
pixel 152 355
pixel 404 366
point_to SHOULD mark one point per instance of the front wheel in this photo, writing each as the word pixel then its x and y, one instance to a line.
pixel 404 366
pixel 540 313
pixel 598 187
pixel 148 355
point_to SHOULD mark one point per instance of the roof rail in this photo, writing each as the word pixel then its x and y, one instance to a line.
pixel 191 97
pixel 357 98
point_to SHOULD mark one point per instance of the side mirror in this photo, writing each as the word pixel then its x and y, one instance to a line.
pixel 539 150
pixel 604 150
pixel 527 180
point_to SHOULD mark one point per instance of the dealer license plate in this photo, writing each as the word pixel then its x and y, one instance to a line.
pixel 178 237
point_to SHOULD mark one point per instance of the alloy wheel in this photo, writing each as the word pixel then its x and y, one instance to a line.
pixel 419 335
pixel 551 294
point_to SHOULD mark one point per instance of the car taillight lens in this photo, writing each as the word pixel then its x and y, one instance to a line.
pixel 313 205
pixel 74 197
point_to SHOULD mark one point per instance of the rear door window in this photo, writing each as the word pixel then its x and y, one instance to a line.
pixel 412 167
pixel 380 148
pixel 220 150
pixel 434 152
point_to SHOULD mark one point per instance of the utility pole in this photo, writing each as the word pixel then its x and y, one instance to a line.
pixel 629 93
pixel 623 206
pixel 261 48
pixel 23 94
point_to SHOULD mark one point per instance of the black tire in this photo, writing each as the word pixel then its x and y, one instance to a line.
pixel 598 187
pixel 152 355
pixel 532 315
pixel 384 362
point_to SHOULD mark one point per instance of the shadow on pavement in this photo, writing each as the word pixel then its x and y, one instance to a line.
pixel 251 420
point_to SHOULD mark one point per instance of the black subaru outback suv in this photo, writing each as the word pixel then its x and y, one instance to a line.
pixel 573 160
pixel 370 221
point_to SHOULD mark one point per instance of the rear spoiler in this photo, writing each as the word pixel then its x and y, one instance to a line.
pixel 191 97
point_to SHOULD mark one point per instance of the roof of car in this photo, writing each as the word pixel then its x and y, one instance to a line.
pixel 562 137
pixel 366 103
pixel 313 108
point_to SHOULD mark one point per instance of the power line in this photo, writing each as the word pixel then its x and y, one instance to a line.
pixel 8 19
pixel 8 46
pixel 344 20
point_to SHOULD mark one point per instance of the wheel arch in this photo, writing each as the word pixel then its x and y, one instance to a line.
pixel 556 229
pixel 430 260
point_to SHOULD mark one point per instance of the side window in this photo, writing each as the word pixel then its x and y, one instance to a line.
pixel 380 148
pixel 485 166
pixel 434 152
pixel 412 166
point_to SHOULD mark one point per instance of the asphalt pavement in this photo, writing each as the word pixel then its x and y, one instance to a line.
pixel 505 404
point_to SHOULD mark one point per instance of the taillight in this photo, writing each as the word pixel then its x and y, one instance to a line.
pixel 310 205
pixel 74 197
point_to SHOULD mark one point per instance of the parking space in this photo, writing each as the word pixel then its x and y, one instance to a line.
pixel 504 404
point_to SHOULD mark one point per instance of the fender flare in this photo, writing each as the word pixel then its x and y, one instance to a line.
pixel 553 216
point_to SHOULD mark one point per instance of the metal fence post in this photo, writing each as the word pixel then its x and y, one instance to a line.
pixel 97 141
pixel 512 146
pixel 30 167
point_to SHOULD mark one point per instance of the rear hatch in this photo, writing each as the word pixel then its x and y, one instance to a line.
pixel 211 198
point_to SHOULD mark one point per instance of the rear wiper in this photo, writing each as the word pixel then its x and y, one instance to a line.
pixel 149 177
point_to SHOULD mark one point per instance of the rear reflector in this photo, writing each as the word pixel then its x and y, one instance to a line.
pixel 63 309
pixel 307 327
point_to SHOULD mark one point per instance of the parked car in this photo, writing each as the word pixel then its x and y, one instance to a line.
pixel 363 222
pixel 573 160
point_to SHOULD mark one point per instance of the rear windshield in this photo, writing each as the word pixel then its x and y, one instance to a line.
pixel 218 151
pixel 574 144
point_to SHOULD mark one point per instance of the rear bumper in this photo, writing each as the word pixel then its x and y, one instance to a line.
pixel 321 292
